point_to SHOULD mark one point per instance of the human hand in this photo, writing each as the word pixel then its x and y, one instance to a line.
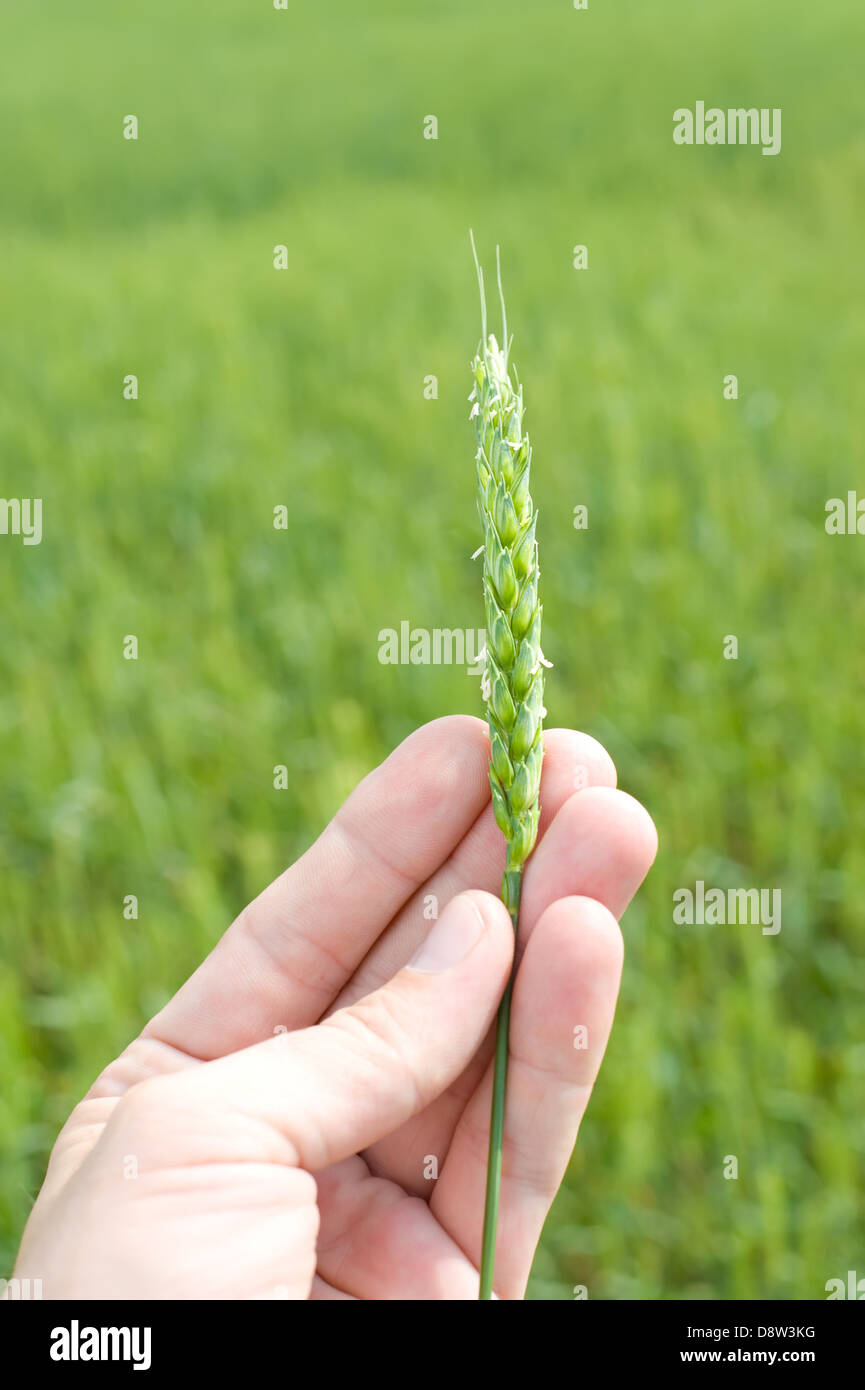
pixel 308 1117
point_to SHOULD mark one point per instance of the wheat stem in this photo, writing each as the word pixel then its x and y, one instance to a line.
pixel 497 1127
pixel 514 677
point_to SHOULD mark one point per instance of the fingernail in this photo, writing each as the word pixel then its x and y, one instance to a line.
pixel 455 933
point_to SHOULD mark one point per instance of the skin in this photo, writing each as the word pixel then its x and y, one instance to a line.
pixel 271 1132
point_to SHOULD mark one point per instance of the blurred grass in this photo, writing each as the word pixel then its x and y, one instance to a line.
pixel 305 387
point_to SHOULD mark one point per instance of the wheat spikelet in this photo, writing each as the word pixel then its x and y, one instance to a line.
pixel 514 684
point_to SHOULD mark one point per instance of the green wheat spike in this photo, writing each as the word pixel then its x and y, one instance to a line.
pixel 514 680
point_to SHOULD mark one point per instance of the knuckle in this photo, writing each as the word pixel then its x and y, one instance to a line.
pixel 381 1023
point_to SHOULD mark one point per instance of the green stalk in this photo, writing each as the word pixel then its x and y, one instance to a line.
pixel 497 1120
pixel 514 676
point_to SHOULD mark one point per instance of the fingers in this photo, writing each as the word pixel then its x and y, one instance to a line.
pixel 377 1243
pixel 563 1006
pixel 331 1090
pixel 571 761
pixel 287 956
pixel 322 1292
pixel 600 845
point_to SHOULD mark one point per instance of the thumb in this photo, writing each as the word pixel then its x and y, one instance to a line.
pixel 333 1089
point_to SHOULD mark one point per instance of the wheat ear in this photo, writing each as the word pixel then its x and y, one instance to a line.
pixel 514 680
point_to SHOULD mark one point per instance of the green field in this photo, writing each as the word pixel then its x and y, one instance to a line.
pixel 304 387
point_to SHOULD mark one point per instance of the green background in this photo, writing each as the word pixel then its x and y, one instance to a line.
pixel 305 387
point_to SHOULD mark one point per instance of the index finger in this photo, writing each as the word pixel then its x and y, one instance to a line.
pixel 287 956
